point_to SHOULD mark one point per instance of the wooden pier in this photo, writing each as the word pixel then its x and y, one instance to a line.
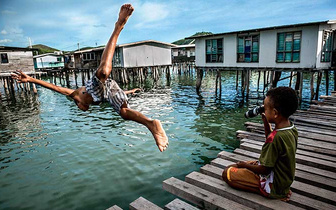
pixel 314 186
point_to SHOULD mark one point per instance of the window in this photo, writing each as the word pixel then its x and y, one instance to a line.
pixel 326 46
pixel 59 59
pixel 288 47
pixel 214 50
pixel 4 58
pixel 248 48
pixel 88 56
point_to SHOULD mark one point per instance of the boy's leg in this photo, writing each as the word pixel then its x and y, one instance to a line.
pixel 241 178
pixel 105 67
pixel 154 126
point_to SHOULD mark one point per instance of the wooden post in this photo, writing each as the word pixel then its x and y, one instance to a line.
pixel 276 78
pixel 334 80
pixel 312 86
pixel 290 79
pixel 258 81
pixel 301 86
pixel 319 78
pixel 216 83
pixel 248 75
pixel 237 79
pixel 220 83
pixel 82 73
pixel 199 79
pixel 34 87
pixel 264 82
pixel 326 72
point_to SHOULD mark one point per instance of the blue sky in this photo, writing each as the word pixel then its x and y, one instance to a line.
pixel 64 23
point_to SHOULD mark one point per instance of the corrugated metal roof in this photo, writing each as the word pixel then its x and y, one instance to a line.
pixel 128 45
pixel 186 45
pixel 264 29
pixel 47 54
pixel 17 48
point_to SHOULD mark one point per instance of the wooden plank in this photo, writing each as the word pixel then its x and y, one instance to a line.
pixel 311 151
pixel 296 199
pixel 306 189
pixel 249 155
pixel 306 132
pixel 143 204
pixel 115 207
pixel 304 157
pixel 299 127
pixel 178 204
pixel 304 144
pixel 199 196
pixel 219 187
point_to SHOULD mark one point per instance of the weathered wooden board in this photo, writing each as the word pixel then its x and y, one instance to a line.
pixel 143 204
pixel 219 187
pixel 296 199
pixel 303 188
pixel 314 154
pixel 244 155
pixel 300 158
pixel 178 204
pixel 199 196
pixel 115 207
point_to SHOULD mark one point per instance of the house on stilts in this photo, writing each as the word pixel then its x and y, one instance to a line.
pixel 304 47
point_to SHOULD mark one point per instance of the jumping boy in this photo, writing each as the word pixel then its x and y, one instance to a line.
pixel 102 89
pixel 274 173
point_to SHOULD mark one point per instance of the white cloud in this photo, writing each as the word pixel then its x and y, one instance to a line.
pixel 149 14
pixel 5 40
pixel 8 12
pixel 4 32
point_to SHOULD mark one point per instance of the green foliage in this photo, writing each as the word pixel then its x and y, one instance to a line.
pixel 190 41
pixel 42 49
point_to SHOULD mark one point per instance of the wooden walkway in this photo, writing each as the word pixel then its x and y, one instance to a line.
pixel 315 177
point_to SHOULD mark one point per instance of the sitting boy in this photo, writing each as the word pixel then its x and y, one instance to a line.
pixel 102 89
pixel 274 173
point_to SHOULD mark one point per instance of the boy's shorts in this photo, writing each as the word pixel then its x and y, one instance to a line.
pixel 245 177
pixel 108 91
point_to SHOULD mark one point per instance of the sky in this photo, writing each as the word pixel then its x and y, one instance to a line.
pixel 62 24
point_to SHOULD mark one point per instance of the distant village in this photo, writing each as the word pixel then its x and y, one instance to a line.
pixel 298 46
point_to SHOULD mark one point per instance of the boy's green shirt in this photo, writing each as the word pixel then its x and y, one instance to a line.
pixel 278 153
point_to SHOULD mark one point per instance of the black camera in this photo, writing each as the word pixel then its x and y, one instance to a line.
pixel 255 111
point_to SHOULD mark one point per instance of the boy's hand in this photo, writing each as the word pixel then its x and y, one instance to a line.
pixel 135 90
pixel 20 76
pixel 267 125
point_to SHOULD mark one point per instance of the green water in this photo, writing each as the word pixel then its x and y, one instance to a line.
pixel 54 156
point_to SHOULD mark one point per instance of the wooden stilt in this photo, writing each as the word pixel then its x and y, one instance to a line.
pixel 258 81
pixel 220 84
pixel 276 79
pixel 264 82
pixel 319 78
pixel 312 86
pixel 290 79
pixel 217 75
pixel 301 86
pixel 334 80
pixel 237 79
pixel 326 72
pixel 248 75
pixel 199 80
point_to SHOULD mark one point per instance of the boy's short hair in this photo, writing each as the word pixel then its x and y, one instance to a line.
pixel 284 99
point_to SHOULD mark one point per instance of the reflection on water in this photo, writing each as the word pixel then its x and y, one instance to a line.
pixel 52 155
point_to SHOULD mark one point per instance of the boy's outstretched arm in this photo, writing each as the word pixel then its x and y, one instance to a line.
pixel 132 91
pixel 23 78
pixel 267 125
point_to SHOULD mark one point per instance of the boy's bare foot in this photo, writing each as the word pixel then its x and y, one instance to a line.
pixel 287 198
pixel 125 12
pixel 160 136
